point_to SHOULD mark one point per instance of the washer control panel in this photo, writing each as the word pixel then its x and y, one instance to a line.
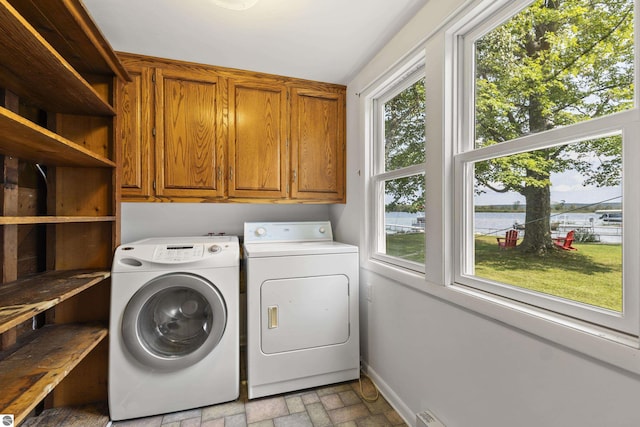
pixel 305 231
pixel 177 253
pixel 210 251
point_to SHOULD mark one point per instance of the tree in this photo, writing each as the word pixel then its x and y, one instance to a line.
pixel 404 135
pixel 555 63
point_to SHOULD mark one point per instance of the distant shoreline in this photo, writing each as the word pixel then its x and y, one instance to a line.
pixel 556 208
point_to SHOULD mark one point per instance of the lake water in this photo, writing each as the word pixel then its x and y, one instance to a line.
pixel 497 223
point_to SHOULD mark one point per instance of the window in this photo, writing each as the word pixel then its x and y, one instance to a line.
pixel 398 183
pixel 548 131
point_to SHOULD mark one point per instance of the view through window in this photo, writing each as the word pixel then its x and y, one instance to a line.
pixel 578 218
pixel 547 208
pixel 400 183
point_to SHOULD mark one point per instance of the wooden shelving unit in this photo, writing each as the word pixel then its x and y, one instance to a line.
pixel 68 20
pixel 28 141
pixel 59 204
pixel 36 71
pixel 23 220
pixel 29 373
pixel 25 298
pixel 92 414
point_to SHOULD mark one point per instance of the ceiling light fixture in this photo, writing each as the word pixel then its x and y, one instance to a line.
pixel 235 4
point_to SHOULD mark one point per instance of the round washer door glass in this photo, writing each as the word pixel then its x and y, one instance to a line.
pixel 174 321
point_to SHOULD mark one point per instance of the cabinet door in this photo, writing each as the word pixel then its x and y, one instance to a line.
pixel 189 149
pixel 134 131
pixel 257 140
pixel 317 145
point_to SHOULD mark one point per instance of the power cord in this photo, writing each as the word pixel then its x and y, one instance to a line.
pixel 366 398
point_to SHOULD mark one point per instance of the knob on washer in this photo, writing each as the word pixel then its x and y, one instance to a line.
pixel 214 249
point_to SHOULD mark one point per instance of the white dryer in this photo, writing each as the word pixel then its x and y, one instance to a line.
pixel 174 335
pixel 302 307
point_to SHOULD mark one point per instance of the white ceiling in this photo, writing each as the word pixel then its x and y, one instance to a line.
pixel 323 40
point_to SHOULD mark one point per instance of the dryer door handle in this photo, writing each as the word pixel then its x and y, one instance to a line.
pixel 272 313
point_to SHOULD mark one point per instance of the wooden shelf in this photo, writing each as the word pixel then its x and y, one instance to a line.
pixel 24 298
pixel 36 72
pixel 59 21
pixel 28 141
pixel 22 220
pixel 37 367
pixel 93 414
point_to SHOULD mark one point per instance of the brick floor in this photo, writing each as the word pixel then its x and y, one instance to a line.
pixel 339 405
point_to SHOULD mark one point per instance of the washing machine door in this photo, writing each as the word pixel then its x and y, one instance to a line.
pixel 174 321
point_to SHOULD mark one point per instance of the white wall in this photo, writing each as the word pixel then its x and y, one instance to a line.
pixel 427 353
pixel 142 220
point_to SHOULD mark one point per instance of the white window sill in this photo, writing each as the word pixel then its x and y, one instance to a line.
pixel 619 350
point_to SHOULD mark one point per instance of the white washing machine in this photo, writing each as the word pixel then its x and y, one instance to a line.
pixel 302 307
pixel 174 335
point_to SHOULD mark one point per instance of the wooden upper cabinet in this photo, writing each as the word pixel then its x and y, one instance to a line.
pixel 135 132
pixel 189 141
pixel 318 144
pixel 257 140
pixel 228 135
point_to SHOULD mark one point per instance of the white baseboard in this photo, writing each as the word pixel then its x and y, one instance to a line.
pixel 394 400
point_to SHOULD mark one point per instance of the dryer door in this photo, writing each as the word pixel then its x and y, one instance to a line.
pixel 174 321
pixel 304 312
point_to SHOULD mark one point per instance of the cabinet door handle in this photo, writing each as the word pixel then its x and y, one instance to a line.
pixel 295 175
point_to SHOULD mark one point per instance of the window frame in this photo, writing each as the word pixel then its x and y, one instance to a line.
pixel 412 71
pixel 439 43
pixel 623 327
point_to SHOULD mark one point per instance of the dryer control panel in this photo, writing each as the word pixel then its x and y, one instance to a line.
pixel 272 232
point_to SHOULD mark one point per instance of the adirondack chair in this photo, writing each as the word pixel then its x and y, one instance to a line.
pixel 564 243
pixel 509 240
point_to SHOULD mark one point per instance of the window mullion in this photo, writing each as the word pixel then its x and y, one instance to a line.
pixel 594 128
pixel 402 172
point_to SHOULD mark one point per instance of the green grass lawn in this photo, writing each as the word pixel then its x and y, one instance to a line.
pixel 409 246
pixel 591 275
